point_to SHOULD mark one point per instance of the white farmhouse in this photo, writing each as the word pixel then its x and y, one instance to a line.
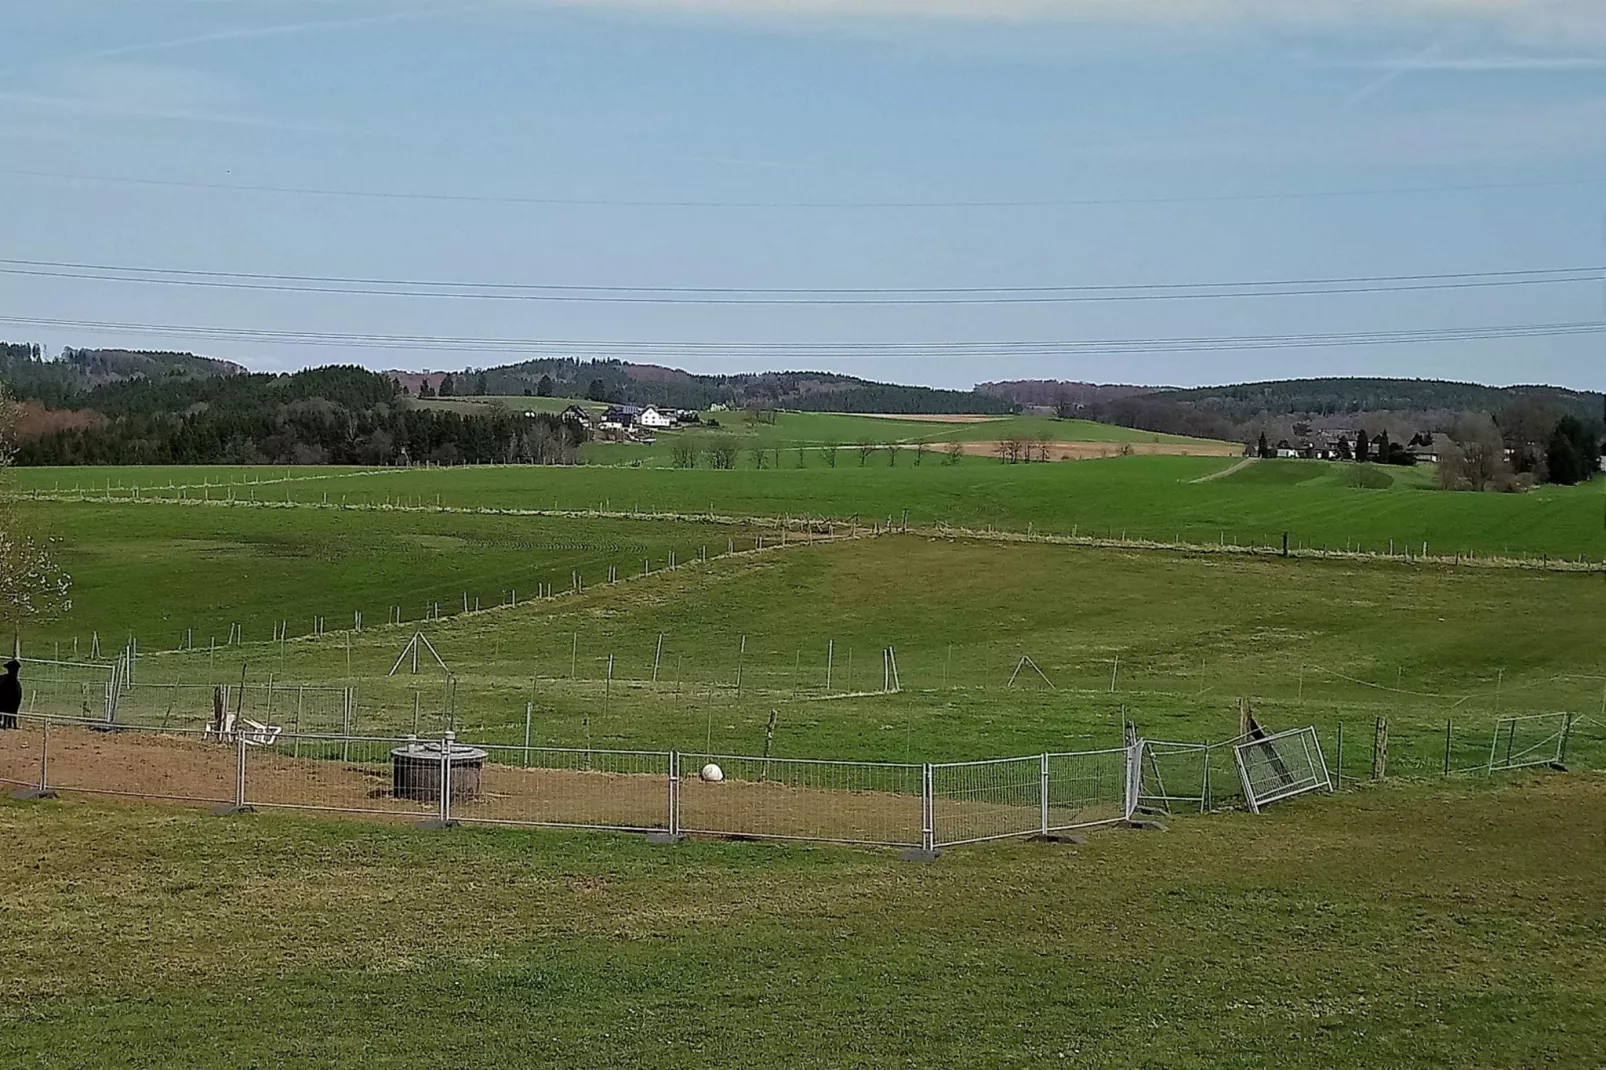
pixel 651 417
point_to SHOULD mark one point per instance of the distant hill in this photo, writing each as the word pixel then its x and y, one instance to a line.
pixel 652 384
pixel 1240 411
pixel 54 381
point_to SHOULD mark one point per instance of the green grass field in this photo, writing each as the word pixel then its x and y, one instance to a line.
pixel 1407 926
pixel 1421 921
pixel 1137 497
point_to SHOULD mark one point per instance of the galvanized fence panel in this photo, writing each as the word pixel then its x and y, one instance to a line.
pixel 79 690
pixel 332 773
pixel 1173 776
pixel 986 800
pixel 628 791
pixel 172 764
pixel 803 799
pixel 21 750
pixel 1086 788
pixel 1281 766
pixel 1532 740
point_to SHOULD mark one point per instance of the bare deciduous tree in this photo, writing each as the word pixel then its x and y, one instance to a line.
pixel 866 450
pixel 830 449
pixel 921 449
pixel 952 452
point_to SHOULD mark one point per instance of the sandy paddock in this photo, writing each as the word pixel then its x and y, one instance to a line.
pixel 126 764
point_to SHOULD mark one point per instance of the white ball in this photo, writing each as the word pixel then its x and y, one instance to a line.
pixel 712 773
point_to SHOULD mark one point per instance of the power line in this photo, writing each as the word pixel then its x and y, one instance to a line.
pixel 879 350
pixel 663 295
pixel 593 202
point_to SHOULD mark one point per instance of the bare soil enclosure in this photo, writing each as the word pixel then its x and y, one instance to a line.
pixel 355 776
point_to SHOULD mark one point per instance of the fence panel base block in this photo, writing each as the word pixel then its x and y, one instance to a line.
pixel 918 854
pixel 32 794
pixel 230 811
pixel 1143 824
pixel 664 839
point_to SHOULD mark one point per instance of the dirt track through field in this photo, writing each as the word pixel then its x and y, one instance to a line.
pixel 618 791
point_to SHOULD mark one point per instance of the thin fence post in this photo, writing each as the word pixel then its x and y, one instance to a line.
pixel 447 742
pixel 928 831
pixel 674 793
pixel 1338 762
pixel 1447 731
pixel 239 769
pixel 529 711
pixel 1566 735
pixel 1044 792
pixel 44 760
pixel 1134 762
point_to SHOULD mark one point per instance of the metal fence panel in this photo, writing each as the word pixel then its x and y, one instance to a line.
pixel 172 764
pixel 624 790
pixel 1086 789
pixel 988 800
pixel 1528 741
pixel 1173 776
pixel 76 690
pixel 334 773
pixel 1281 766
pixel 799 799
pixel 20 752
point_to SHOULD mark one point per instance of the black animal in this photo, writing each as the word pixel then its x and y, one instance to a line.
pixel 10 696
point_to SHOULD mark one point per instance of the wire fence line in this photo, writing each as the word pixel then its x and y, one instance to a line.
pixel 920 807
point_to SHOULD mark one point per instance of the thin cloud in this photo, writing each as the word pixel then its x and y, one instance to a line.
pixel 1574 22
pixel 246 33
pixel 1476 64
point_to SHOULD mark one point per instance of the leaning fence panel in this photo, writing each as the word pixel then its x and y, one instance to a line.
pixel 1086 789
pixel 624 790
pixel 1281 766
pixel 343 774
pixel 988 800
pixel 1528 741
pixel 800 799
pixel 171 764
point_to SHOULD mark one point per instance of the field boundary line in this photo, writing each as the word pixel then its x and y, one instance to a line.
pixel 1544 564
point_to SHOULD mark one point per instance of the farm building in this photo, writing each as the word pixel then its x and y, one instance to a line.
pixel 652 418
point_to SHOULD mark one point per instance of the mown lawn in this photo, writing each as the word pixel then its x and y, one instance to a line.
pixel 1406 926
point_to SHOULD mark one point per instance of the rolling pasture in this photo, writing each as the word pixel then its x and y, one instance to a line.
pixel 1318 504
pixel 1421 921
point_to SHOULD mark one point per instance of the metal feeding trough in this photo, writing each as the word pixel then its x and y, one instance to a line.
pixel 415 771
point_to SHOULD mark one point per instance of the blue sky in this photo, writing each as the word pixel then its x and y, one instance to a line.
pixel 1178 141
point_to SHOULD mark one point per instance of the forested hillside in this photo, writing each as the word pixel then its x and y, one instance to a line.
pixel 1240 411
pixel 651 384
pixel 333 415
